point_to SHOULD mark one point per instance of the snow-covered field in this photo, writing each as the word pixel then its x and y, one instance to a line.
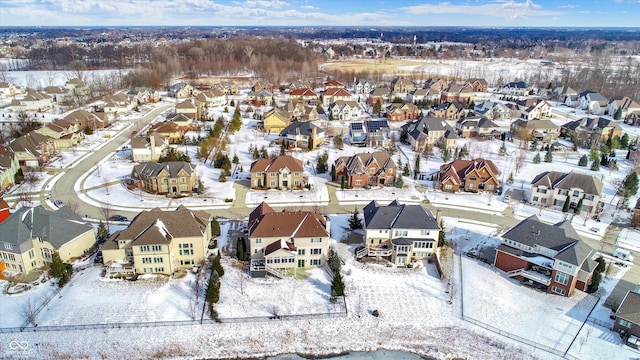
pixel 415 314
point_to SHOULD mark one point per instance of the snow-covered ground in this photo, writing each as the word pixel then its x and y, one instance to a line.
pixel 415 314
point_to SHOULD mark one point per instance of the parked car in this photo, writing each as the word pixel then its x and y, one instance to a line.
pixel 507 198
pixel 58 203
pixel 118 218
pixel 623 254
pixel 594 229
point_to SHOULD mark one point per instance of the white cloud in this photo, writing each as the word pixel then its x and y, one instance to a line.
pixel 308 7
pixel 568 6
pixel 276 4
pixel 509 9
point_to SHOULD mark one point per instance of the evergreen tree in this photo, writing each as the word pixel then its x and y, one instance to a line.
pixel 565 206
pixel 236 122
pixel 584 161
pixel 103 232
pixel 630 184
pixel 618 114
pixel 241 250
pixel 400 182
pixel 536 159
pixel 60 270
pixel 338 142
pixel 333 172
pixel 337 284
pixel 446 155
pixel 503 149
pixel 343 183
pixel 212 293
pixel 406 171
pixel 377 107
pixel 232 103
pixel 416 167
pixel 548 157
pixel 510 178
pixel 624 141
pixel 217 265
pixel 354 221
pixel 215 227
pixel 235 160
pixel 200 190
pixel 223 177
pixel 464 152
pixel 595 165
pixel 255 154
pixel 578 208
pixel 534 145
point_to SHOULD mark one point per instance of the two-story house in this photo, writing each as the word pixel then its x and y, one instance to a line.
pixel 366 169
pixel 402 85
pixel 590 132
pixel 30 236
pixel 399 233
pixel 302 134
pixel 280 242
pixel 33 150
pixel 554 188
pixel 304 95
pixel 448 110
pixel 161 242
pixel 619 107
pixel 334 94
pixel 283 173
pixel 427 132
pixel 492 110
pixel 469 175
pixel 627 318
pixel 372 133
pixel 345 110
pixel 275 120
pixel 148 148
pixel 552 256
pixel 362 88
pixel 173 177
pixel 462 93
pixel 168 129
pixel 593 102
pixel 64 133
pixel 474 127
pixel 402 111
pixel 541 130
pixel 516 88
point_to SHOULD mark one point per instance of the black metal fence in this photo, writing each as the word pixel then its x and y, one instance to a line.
pixel 340 302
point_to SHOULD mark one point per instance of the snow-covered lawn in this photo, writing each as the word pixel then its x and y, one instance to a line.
pixel 318 194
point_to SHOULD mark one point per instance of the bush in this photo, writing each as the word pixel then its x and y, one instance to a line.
pixel 375 313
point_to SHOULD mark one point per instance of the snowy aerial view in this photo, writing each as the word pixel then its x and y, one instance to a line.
pixel 292 180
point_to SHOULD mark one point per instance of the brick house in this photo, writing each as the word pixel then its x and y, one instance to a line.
pixel 627 322
pixel 469 175
pixel 360 170
pixel 402 112
pixel 284 241
pixel 449 110
pixel 283 173
pixel 550 256
pixel 589 132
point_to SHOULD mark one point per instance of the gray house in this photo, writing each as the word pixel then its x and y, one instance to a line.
pixel 373 133
pixel 627 322
pixel 400 233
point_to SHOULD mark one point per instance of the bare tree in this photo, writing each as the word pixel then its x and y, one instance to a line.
pixel 28 311
pixel 106 210
pixel 519 160
pixel 73 206
pixel 241 281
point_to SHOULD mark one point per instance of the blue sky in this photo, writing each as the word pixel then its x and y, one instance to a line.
pixel 374 13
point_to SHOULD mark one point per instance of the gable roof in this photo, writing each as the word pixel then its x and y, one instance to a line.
pixel 57 227
pixel 277 164
pixel 457 170
pixel 561 237
pixel 560 180
pixel 286 224
pixel 358 163
pixel 161 227
pixel 151 169
pixel 301 128
pixel 398 216
pixel 629 309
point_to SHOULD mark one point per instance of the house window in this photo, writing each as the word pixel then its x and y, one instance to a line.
pixel 300 251
pixel 148 270
pixel 562 278
pixel 558 290
pixel 448 187
pixel 183 180
pixel 272 174
pixel 258 241
pixel 273 183
pixel 576 193
pixel 296 182
pixel 542 191
pixel 159 269
pixel 146 260
pixel 490 187
pixel 625 323
pixel 424 232
pixel 164 181
pixel 157 260
pixel 316 240
pixel 401 233
pixel 258 174
pixel 156 247
pixel 296 174
pixel 372 171
pixel 316 251
pixel 316 262
pixel 358 182
pixel 472 178
pixel 144 248
pixel 8 246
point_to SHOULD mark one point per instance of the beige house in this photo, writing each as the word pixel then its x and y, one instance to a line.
pixel 540 130
pixel 148 148
pixel 9 166
pixel 161 242
pixel 64 133
pixel 174 177
pixel 30 236
pixel 282 241
pixel 169 129
pixel 552 189
pixel 77 87
pixel 284 173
